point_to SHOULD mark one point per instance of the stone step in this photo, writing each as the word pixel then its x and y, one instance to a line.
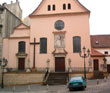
pixel 57 78
pixel 98 75
pixel 56 81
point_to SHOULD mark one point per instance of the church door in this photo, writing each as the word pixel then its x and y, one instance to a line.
pixel 21 63
pixel 108 68
pixel 59 64
pixel 96 65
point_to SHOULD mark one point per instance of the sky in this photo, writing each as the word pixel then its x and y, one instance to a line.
pixel 99 18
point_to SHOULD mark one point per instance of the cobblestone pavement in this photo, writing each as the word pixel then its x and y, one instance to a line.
pixel 93 87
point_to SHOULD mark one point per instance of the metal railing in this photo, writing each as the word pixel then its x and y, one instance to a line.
pixel 44 69
pixel 46 74
pixel 79 69
pixel 40 69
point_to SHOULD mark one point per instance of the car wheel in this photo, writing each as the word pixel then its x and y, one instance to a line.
pixel 83 88
pixel 70 89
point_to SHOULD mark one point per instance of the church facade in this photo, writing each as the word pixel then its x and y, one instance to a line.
pixel 57 33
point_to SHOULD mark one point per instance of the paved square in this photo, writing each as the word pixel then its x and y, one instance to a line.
pixel 93 87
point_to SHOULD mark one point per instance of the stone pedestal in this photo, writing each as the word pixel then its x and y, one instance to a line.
pixel 70 70
pixel 28 70
pixel 90 69
pixel 5 70
pixel 33 70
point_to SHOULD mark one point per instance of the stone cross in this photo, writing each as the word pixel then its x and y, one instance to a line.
pixel 34 51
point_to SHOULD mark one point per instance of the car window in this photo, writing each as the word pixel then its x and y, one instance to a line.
pixel 75 78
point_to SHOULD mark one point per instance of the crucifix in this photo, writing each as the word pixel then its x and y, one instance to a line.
pixel 34 51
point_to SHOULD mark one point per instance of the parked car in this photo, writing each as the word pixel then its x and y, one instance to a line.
pixel 77 82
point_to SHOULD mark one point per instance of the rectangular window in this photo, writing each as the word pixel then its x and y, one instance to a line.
pixel 76 44
pixel 64 6
pixel 49 7
pixel 21 46
pixel 0 29
pixel 43 45
pixel 69 6
pixel 106 52
pixel 53 7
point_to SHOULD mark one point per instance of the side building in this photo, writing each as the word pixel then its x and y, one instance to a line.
pixel 9 18
pixel 101 52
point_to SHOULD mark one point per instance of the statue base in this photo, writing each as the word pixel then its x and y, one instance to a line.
pixel 33 70
pixel 28 70
pixel 5 70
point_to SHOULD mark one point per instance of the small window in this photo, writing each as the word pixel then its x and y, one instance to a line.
pixel 106 52
pixel 69 6
pixel 49 7
pixel 53 7
pixel 0 29
pixel 97 42
pixel 64 6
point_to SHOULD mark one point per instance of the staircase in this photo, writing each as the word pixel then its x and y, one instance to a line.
pixel 98 75
pixel 57 78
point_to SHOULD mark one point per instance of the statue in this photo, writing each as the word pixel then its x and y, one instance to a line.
pixel 28 66
pixel 59 41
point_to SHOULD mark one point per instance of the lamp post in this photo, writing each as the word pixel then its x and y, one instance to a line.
pixel 3 64
pixel 105 63
pixel 84 55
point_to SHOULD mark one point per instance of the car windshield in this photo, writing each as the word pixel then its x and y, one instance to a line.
pixel 75 78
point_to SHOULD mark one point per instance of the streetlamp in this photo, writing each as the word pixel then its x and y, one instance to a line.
pixel 85 55
pixel 3 64
pixel 105 64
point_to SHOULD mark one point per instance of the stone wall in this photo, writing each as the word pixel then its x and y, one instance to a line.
pixel 14 7
pixel 11 79
pixel 88 75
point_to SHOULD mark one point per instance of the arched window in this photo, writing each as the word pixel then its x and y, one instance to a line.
pixel 69 6
pixel 49 7
pixel 43 45
pixel 64 6
pixel 21 48
pixel 76 44
pixel 54 7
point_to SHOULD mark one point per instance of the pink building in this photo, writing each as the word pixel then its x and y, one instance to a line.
pixel 57 33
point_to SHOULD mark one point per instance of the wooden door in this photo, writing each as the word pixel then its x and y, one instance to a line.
pixel 21 63
pixel 59 64
pixel 96 65
pixel 108 68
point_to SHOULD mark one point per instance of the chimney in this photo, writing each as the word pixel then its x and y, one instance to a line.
pixel 11 2
pixel 4 4
pixel 16 1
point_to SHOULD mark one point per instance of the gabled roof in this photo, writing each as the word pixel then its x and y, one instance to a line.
pixel 43 2
pixel 39 6
pixel 22 26
pixel 100 41
pixel 95 53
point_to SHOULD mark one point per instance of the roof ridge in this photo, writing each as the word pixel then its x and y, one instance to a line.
pixel 101 35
